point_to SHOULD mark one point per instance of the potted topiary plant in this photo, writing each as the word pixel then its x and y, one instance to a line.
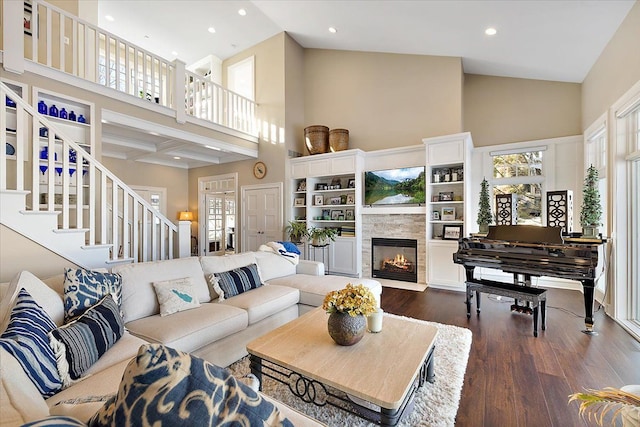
pixel 297 231
pixel 485 217
pixel 591 209
pixel 319 236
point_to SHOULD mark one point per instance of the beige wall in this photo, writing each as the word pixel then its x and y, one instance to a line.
pixel 270 96
pixel 385 100
pixel 615 71
pixel 17 253
pixel 175 180
pixel 294 95
pixel 499 110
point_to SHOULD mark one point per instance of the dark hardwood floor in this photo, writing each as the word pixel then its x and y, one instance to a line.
pixel 514 379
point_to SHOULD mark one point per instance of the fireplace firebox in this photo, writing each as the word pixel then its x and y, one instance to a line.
pixel 395 259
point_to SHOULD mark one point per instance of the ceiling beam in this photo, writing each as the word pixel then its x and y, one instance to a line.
pixel 128 143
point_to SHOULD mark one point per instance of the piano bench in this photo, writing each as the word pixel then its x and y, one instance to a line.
pixel 536 296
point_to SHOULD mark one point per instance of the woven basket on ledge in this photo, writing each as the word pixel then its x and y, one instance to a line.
pixel 316 138
pixel 338 139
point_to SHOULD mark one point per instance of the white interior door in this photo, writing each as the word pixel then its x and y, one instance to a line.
pixel 262 215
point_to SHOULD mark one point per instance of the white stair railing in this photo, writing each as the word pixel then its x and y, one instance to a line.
pixel 69 44
pixel 62 177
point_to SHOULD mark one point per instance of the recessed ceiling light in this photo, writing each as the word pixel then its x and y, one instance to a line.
pixel 491 31
pixel 174 53
pixel 211 30
pixel 212 148
pixel 109 18
pixel 333 30
pixel 242 12
pixel 177 157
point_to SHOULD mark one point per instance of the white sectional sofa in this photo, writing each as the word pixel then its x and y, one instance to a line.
pixel 216 331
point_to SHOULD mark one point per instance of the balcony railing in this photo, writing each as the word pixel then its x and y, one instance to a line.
pixel 66 43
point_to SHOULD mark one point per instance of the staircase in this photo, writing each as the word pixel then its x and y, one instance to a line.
pixel 57 194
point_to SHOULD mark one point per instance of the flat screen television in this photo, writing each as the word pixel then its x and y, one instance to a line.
pixel 395 186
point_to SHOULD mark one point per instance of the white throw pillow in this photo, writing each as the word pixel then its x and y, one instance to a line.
pixel 175 295
pixel 47 298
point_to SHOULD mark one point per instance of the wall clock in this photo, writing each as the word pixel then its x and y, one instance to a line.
pixel 259 170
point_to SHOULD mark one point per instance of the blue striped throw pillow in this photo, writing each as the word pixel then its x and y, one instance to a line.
pixel 26 338
pixel 239 280
pixel 82 341
pixel 56 421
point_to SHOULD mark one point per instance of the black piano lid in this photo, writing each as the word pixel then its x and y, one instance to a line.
pixel 525 234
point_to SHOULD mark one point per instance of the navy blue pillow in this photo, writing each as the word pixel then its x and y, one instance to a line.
pixel 163 386
pixel 84 288
pixel 88 337
pixel 239 280
pixel 27 339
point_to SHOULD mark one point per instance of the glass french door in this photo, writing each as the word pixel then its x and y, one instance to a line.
pixel 220 223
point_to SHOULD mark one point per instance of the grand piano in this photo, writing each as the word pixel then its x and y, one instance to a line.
pixel 527 251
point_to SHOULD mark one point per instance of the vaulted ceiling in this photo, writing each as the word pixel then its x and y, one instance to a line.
pixel 556 40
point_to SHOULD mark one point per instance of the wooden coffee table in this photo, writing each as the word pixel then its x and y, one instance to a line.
pixel 381 372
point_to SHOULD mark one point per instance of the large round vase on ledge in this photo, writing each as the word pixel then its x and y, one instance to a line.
pixel 316 138
pixel 346 329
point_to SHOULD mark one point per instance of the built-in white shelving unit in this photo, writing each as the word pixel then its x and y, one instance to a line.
pixel 448 208
pixel 326 192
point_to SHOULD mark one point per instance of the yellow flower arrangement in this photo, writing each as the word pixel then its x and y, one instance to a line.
pixel 353 300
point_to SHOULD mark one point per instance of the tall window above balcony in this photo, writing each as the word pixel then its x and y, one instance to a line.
pixel 240 78
pixel 521 172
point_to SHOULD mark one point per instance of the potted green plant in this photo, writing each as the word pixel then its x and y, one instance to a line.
pixel 297 231
pixel 598 403
pixel 485 217
pixel 591 211
pixel 319 236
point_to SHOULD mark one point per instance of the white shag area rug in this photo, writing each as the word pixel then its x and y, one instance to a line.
pixel 434 404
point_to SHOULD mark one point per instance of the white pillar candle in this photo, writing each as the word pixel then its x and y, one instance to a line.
pixel 374 321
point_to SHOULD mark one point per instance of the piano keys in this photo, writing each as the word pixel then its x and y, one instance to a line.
pixel 535 251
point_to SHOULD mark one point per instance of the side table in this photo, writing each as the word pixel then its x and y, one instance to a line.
pixel 324 252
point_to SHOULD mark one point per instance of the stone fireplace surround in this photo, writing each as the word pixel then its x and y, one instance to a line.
pixel 394 226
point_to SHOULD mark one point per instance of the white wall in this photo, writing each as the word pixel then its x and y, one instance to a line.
pixel 563 170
